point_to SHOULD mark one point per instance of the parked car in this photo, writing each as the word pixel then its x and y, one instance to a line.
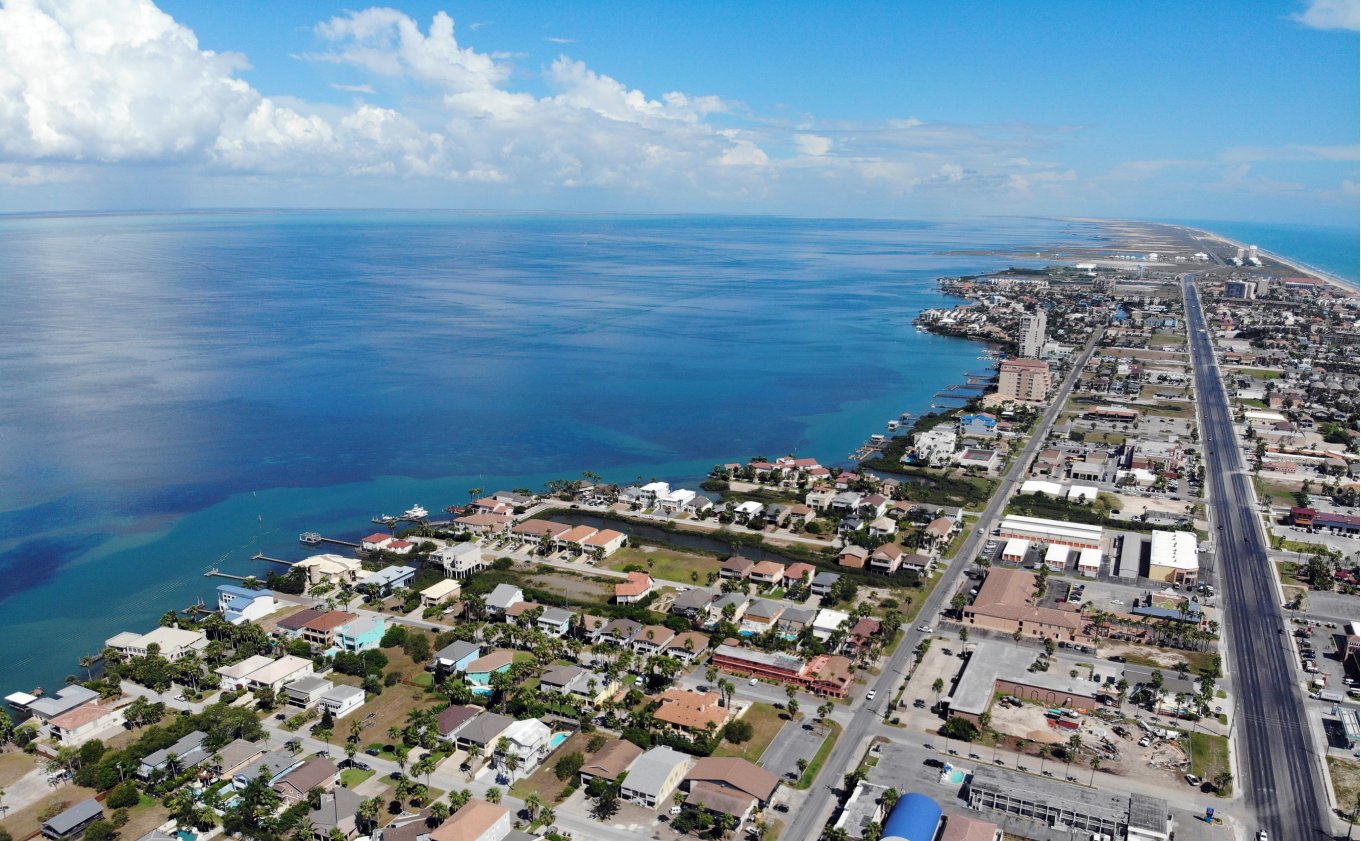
pixel 1193 780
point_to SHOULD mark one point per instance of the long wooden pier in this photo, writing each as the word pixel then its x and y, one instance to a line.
pixel 312 538
pixel 261 556
pixel 217 573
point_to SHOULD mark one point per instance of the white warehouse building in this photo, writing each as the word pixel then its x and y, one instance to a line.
pixel 1040 530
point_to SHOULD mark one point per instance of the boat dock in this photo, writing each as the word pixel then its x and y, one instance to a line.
pixel 312 538
pixel 217 573
pixel 261 556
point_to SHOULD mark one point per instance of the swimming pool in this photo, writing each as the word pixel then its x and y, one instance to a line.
pixel 186 835
pixel 558 738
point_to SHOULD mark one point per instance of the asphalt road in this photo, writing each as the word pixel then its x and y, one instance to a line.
pixel 813 815
pixel 1279 775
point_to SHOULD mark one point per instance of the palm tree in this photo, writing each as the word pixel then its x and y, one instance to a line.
pixel 1095 763
pixel 87 663
pixel 533 803
pixel 1074 745
pixel 547 815
pixel 512 762
pixel 1044 754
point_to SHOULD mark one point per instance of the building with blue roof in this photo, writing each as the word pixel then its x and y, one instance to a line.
pixel 915 817
pixel 239 604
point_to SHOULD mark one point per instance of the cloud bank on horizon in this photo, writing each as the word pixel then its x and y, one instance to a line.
pixel 115 103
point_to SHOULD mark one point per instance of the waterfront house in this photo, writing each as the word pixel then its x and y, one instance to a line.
pixel 574 539
pixel 491 506
pixel 980 459
pixel 886 559
pixel 604 543
pixel 330 569
pixel 823 583
pixel 635 589
pixel 853 557
pixel 478 820
pixel 520 500
pixel 613 759
pixel 501 598
pixel 675 500
pixel 653 776
pixel 478 673
pixel 374 542
pixel 342 700
pixel 444 590
pixel 317 773
pixel 77 726
pixel 935 446
pixel 767 573
pixel 171 643
pixel 361 634
pixel 798 573
pixel 455 657
pixel 48 707
pixel 459 560
pixel 304 693
pixel 486 525
pixel 736 568
pixel 387 579
pixel 535 532
pixel 652 491
pixel 188 752
pixel 239 604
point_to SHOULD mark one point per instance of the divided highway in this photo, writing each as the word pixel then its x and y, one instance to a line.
pixel 1279 773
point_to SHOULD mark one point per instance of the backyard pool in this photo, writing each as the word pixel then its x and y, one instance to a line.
pixel 558 738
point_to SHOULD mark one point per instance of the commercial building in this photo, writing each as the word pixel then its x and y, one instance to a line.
pixel 1051 804
pixel 1003 668
pixel 1040 530
pixel 915 817
pixel 1024 380
pixel 1005 603
pixel 1173 558
pixel 822 675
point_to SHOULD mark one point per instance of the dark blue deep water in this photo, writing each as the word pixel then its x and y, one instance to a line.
pixel 181 391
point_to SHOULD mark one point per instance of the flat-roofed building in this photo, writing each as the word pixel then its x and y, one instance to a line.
pixel 1003 668
pixel 279 672
pixel 171 643
pixel 1041 530
pixel 1052 804
pixel 1173 558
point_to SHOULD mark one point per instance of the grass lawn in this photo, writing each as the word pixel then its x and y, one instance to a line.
pixel 1251 402
pixel 389 710
pixel 1160 339
pixel 1196 660
pixel 665 563
pixel 543 781
pixel 909 610
pixel 13 765
pixel 1345 773
pixel 765 721
pixel 1167 409
pixel 352 777
pixel 424 679
pixel 142 818
pixel 1094 437
pixel 1209 756
pixel 1258 373
pixel 811 772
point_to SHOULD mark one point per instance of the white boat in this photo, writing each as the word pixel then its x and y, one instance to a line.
pixel 892 425
pixel 416 512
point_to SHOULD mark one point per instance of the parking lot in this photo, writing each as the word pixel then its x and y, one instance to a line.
pixel 796 740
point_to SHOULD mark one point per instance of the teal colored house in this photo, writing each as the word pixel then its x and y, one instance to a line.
pixel 478 673
pixel 361 634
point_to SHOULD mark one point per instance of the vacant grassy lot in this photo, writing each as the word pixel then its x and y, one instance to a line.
pixel 543 781
pixel 1209 757
pixel 13 765
pixel 389 710
pixel 1345 773
pixel 765 721
pixel 1257 373
pixel 142 818
pixel 1168 409
pixel 1161 339
pixel 666 563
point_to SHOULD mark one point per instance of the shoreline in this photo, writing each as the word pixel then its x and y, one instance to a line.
pixel 1303 268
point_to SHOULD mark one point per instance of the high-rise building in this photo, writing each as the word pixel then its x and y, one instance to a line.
pixel 1031 340
pixel 1024 379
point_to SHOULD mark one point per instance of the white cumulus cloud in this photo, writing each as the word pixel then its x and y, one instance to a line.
pixel 1331 14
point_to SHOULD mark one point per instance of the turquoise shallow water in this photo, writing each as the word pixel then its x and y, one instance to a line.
pixel 185 390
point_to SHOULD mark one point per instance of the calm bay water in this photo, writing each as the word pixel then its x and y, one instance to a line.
pixel 185 390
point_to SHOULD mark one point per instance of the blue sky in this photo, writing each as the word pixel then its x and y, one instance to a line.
pixel 1202 110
